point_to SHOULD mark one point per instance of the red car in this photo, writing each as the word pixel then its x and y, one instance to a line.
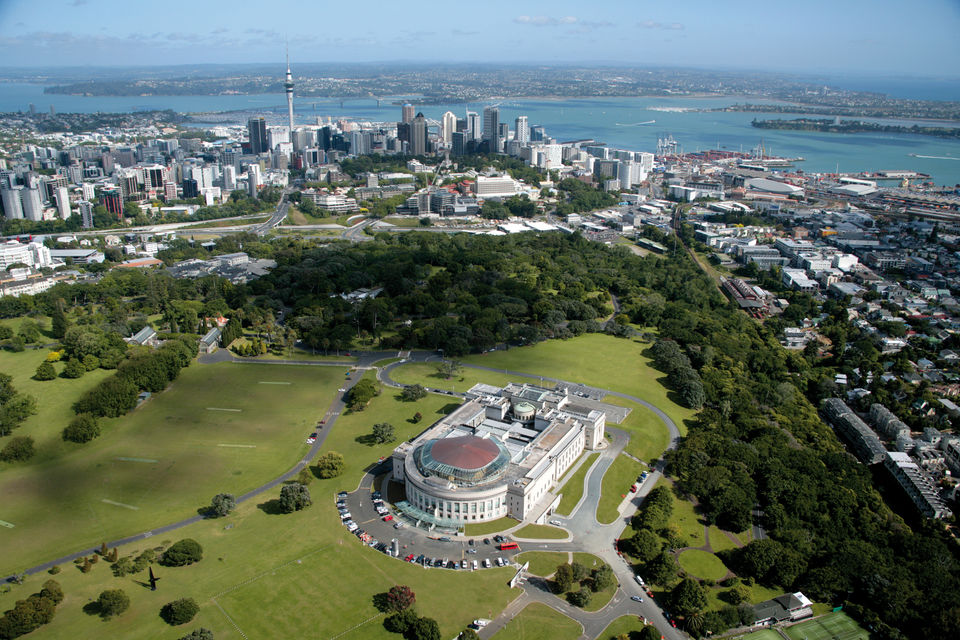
pixel 387 518
pixel 409 558
pixel 633 489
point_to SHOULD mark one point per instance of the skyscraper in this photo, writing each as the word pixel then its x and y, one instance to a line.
pixel 491 127
pixel 288 87
pixel 406 112
pixel 418 135
pixel 473 125
pixel 32 206
pixel 257 131
pixel 86 213
pixel 449 121
pixel 12 204
pixel 521 132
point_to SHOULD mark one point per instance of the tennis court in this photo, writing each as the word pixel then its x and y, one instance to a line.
pixel 833 626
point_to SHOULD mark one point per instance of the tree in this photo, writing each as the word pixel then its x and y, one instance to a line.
pixel 383 432
pixel 649 632
pixel 26 616
pixel 45 371
pixel 112 398
pixel 53 590
pixel 412 393
pixel 113 602
pixel 401 621
pixel 294 497
pixel 362 393
pixel 417 417
pixel 74 368
pixel 82 428
pixel 59 321
pixel 449 368
pixel 199 634
pixel 602 578
pixel 180 611
pixel 563 578
pixel 580 598
pixel 400 597
pixel 663 568
pixel 468 634
pixel 688 597
pixel 18 449
pixel 222 504
pixel 424 629
pixel 14 407
pixel 580 571
pixel 182 553
pixel 644 545
pixel 329 465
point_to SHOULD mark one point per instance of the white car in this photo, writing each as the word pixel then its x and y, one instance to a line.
pixel 556 523
pixel 486 563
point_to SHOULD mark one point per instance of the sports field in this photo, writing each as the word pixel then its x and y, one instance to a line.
pixel 832 626
pixel 215 429
pixel 539 622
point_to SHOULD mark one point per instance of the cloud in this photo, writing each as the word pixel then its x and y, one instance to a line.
pixel 545 21
pixel 461 32
pixel 667 26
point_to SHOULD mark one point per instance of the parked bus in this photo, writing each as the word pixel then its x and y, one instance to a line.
pixel 507 546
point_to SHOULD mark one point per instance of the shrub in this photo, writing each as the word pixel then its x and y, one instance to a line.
pixel 294 497
pixel 329 465
pixel 222 504
pixel 54 570
pixel 180 611
pixel 74 369
pixel 19 448
pixel 83 428
pixel 51 589
pixel 199 634
pixel 113 602
pixel 400 597
pixel 182 553
pixel 45 371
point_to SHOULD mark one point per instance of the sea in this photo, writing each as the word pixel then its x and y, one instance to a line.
pixel 634 123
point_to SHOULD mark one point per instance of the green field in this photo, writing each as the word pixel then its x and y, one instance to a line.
pixel 832 626
pixel 269 573
pixel 763 634
pixel 493 526
pixel 425 374
pixel 216 428
pixel 701 564
pixel 540 622
pixel 622 625
pixel 649 436
pixel 719 541
pixel 686 520
pixel 542 532
pixel 598 360
pixel 616 483
pixel 543 563
pixel 572 489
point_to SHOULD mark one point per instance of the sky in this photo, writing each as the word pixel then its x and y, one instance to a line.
pixel 868 37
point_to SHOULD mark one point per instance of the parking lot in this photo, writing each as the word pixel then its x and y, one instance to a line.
pixel 375 524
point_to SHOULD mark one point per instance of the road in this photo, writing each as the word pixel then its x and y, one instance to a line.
pixel 278 214
pixel 586 533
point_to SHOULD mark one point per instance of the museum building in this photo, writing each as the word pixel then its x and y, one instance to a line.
pixel 498 454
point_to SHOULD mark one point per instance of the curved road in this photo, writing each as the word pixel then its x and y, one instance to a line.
pixel 588 534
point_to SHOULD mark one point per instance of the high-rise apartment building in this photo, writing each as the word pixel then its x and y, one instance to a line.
pixel 449 124
pixel 406 112
pixel 32 205
pixel 86 213
pixel 521 130
pixel 12 202
pixel 491 128
pixel 474 126
pixel 418 135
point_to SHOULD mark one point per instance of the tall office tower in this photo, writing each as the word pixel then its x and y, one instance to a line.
pixel 503 133
pixel 473 126
pixel 491 128
pixel 12 207
pixel 88 191
pixel 449 121
pixel 32 205
pixel 406 112
pixel 277 136
pixel 537 133
pixel 191 188
pixel 521 131
pixel 418 135
pixel 229 177
pixel 86 213
pixel 129 186
pixel 110 198
pixel 62 197
pixel 107 162
pixel 169 191
pixel 288 87
pixel 458 146
pixel 627 174
pixel 253 179
pixel 257 132
pixel 359 142
pixel 153 177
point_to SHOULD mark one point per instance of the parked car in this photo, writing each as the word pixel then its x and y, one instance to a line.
pixel 397 525
pixel 486 541
pixel 486 563
pixel 636 598
pixel 556 523
pixel 633 489
pixel 387 518
pixel 342 494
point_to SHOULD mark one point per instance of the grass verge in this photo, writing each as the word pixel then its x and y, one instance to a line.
pixel 616 483
pixel 541 531
pixel 572 489
pixel 540 622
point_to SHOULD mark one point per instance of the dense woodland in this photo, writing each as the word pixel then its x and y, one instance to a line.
pixel 758 441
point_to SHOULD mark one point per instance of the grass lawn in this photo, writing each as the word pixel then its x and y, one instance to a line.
pixel 594 359
pixel 719 541
pixel 541 531
pixel 403 221
pixel 572 489
pixel 833 626
pixel 701 564
pixel 270 573
pixel 543 563
pixel 649 437
pixel 483 528
pixel 216 428
pixel 758 593
pixel 616 483
pixel 687 521
pixel 540 622
pixel 763 634
pixel 623 625
pixel 425 374
pixel 209 224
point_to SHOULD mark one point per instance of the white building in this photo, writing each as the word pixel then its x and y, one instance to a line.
pixel 498 454
pixel 498 187
pixel 32 205
pixel 448 126
pixel 12 202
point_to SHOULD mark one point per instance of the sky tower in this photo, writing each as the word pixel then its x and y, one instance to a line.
pixel 288 87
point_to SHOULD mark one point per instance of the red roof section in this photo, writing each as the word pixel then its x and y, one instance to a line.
pixel 465 452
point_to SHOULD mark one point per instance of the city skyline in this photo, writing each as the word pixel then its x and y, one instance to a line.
pixel 820 37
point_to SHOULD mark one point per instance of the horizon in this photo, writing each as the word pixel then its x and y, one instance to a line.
pixel 743 36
